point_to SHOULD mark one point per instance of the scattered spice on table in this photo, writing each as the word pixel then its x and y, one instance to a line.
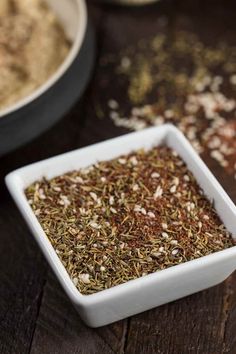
pixel 33 45
pixel 122 219
pixel 179 79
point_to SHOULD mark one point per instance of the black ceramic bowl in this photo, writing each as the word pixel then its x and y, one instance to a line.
pixel 37 112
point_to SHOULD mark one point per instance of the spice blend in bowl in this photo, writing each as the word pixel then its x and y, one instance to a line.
pixel 33 45
pixel 65 198
pixel 128 217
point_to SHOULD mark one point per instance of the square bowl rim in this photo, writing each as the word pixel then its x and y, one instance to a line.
pixel 50 252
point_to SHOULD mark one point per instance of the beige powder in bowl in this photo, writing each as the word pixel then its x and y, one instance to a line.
pixel 33 45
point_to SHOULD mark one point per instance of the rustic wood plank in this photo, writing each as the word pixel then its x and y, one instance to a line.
pixel 195 324
pixel 22 276
pixel 60 330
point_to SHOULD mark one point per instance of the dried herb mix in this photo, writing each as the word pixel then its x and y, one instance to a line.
pixel 125 218
pixel 32 46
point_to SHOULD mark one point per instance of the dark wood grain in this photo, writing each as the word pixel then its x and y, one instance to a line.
pixel 35 314
pixel 22 277
pixel 60 330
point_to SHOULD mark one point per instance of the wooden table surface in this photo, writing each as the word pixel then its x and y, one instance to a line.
pixel 35 314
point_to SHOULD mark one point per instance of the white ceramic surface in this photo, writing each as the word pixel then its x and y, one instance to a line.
pixel 73 16
pixel 152 290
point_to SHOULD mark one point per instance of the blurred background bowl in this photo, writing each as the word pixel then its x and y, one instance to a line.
pixel 37 112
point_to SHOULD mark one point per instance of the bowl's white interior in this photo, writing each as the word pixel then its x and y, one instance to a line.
pixel 73 16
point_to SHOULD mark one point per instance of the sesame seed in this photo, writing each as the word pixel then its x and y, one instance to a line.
pixel 164 226
pixel 57 189
pixel 84 278
pixel 122 161
pixel 176 181
pixel 164 234
pixel 173 189
pixel 94 225
pixel 135 187
pixel 233 79
pixel 113 104
pixel 93 196
pixel 173 242
pixel 156 254
pixel 125 62
pixel 137 208
pixel 155 175
pixel 143 211
pixel 133 161
pixel 111 200
pixel 75 281
pixel 113 210
pixel 151 214
pixel 158 192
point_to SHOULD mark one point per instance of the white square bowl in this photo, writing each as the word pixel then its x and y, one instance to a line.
pixel 152 290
